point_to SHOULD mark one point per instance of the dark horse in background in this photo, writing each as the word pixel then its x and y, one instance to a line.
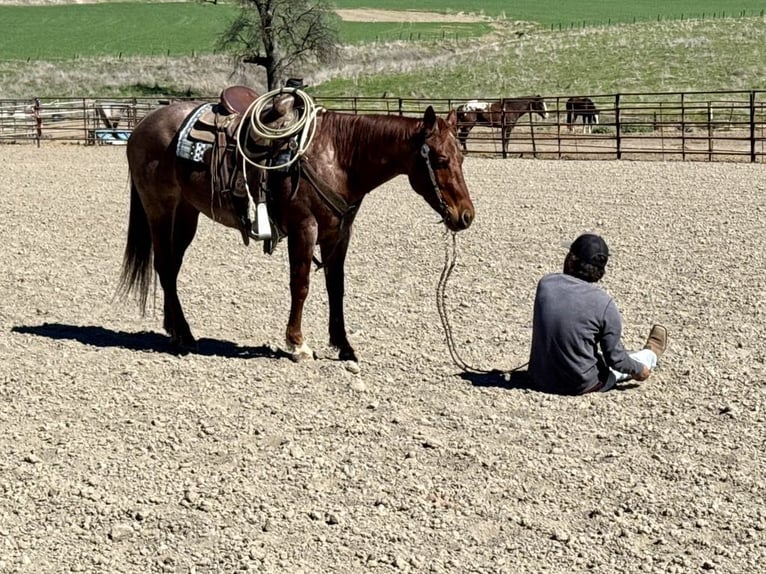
pixel 503 114
pixel 350 155
pixel 585 109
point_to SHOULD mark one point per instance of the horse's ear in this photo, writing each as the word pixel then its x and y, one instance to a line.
pixel 429 118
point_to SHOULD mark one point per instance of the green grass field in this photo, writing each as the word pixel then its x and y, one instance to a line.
pixel 144 28
pixel 140 48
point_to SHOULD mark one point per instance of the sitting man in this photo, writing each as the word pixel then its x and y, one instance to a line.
pixel 576 329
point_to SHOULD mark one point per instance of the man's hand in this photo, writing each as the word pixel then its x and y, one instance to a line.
pixel 643 375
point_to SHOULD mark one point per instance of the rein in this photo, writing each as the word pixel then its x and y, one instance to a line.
pixel 328 194
pixel 346 211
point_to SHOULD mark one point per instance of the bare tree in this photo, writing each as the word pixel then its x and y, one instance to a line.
pixel 280 34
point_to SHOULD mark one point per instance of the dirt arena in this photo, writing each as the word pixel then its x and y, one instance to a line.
pixel 118 457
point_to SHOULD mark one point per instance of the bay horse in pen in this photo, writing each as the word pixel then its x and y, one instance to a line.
pixel 314 204
pixel 503 114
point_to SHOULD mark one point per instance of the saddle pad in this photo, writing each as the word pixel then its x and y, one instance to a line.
pixel 188 148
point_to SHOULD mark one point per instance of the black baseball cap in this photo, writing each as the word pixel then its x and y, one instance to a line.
pixel 590 248
pixel 295 83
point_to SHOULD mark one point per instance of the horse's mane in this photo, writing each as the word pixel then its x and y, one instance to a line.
pixel 352 134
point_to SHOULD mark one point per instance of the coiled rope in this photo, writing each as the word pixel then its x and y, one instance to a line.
pixel 306 125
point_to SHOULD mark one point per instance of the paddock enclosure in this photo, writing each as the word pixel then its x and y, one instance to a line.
pixel 116 456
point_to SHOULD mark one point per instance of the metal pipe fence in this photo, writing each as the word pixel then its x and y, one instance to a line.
pixel 684 126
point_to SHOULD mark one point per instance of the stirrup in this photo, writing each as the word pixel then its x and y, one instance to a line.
pixel 269 245
pixel 262 222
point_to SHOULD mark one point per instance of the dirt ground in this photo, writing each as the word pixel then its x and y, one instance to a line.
pixel 373 15
pixel 119 457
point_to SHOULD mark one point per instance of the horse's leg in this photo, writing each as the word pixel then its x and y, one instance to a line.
pixel 463 136
pixel 172 233
pixel 300 249
pixel 334 257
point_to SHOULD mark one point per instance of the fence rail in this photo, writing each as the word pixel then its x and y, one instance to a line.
pixel 693 126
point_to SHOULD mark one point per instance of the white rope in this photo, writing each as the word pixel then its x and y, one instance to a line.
pixel 306 125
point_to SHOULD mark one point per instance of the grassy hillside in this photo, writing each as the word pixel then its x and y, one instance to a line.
pixel 136 49
pixel 667 56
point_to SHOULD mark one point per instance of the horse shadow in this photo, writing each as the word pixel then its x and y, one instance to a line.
pixel 147 341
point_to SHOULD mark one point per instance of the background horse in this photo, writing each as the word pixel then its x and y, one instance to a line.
pixel 348 157
pixel 583 108
pixel 501 114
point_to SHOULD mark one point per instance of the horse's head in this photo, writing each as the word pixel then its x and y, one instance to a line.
pixel 437 172
pixel 537 104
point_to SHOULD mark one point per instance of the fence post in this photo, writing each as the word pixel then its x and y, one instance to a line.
pixel 85 123
pixel 503 143
pixel 617 128
pixel 38 121
pixel 558 125
pixel 752 127
pixel 710 131
pixel 683 127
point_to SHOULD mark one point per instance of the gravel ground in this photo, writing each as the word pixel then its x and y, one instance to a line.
pixel 118 457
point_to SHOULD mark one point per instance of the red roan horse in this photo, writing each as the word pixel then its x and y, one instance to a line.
pixel 350 154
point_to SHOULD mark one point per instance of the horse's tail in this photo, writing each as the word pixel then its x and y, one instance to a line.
pixel 137 260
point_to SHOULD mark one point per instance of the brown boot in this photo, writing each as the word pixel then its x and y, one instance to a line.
pixel 657 340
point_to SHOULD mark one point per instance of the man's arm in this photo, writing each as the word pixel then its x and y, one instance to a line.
pixel 611 346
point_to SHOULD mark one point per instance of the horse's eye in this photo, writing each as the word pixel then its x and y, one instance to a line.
pixel 442 162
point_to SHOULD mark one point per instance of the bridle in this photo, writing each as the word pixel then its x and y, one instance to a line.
pixel 425 153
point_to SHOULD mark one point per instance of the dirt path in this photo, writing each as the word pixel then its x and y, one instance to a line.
pixel 118 457
pixel 372 15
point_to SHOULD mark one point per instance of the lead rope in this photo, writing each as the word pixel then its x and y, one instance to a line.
pixel 450 260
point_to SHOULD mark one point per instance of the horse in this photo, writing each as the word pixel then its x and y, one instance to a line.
pixel 501 113
pixel 583 108
pixel 348 156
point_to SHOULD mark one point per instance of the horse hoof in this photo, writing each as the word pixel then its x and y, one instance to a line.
pixel 183 345
pixel 302 353
pixel 348 355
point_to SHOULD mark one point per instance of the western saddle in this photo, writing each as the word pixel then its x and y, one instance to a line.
pixel 219 126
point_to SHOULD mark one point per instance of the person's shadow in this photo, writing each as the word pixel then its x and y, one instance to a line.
pixel 520 379
pixel 146 341
pixel 516 379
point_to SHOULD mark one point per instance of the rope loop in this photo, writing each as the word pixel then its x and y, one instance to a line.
pixel 305 127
